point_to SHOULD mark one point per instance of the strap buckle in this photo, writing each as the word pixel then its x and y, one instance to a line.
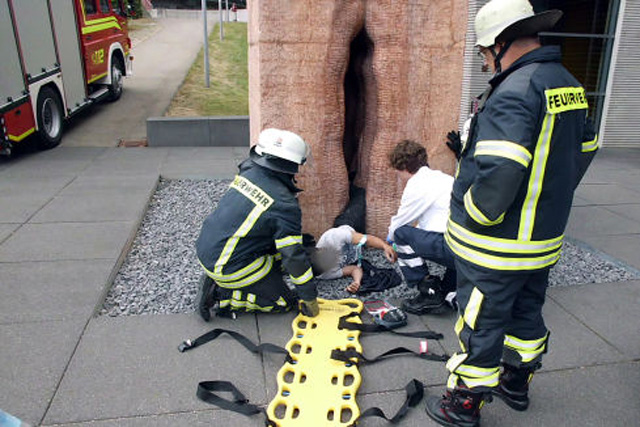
pixel 186 345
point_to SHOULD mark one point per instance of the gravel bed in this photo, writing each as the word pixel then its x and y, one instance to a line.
pixel 160 273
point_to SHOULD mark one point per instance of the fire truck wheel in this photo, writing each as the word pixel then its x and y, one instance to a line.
pixel 115 88
pixel 50 117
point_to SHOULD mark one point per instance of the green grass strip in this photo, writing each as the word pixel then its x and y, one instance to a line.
pixel 228 94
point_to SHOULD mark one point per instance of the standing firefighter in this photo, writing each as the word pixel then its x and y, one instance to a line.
pixel 529 145
pixel 254 231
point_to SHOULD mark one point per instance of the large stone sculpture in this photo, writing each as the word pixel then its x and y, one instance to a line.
pixel 353 78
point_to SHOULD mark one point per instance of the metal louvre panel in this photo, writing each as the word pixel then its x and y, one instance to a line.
pixel 71 61
pixel 36 36
pixel 620 127
pixel 474 80
pixel 11 81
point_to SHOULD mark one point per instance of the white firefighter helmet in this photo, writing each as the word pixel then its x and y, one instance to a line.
pixel 280 150
pixel 506 20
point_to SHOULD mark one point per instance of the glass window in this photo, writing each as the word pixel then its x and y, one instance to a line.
pixel 89 7
pixel 121 8
pixel 585 33
pixel 104 6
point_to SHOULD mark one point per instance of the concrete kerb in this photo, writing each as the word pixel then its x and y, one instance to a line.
pixel 223 131
pixel 603 255
pixel 125 251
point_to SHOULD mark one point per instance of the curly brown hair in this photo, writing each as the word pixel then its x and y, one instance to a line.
pixel 408 155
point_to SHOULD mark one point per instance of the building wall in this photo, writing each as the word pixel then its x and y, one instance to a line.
pixel 620 121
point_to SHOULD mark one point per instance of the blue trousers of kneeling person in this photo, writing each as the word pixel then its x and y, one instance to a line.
pixel 414 246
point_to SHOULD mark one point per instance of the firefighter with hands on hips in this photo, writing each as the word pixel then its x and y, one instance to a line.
pixel 425 203
pixel 529 145
pixel 254 232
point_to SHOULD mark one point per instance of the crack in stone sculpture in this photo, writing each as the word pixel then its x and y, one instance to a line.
pixel 354 77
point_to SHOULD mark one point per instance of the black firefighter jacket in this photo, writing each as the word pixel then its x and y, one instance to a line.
pixel 258 217
pixel 528 147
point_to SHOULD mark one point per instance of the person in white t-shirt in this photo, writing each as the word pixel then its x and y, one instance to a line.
pixel 338 251
pixel 417 229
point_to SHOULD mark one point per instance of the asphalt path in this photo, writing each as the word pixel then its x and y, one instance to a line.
pixel 161 61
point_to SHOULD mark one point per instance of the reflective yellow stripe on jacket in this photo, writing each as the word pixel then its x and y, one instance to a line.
pixel 288 241
pixel 589 146
pixel 261 266
pixel 500 253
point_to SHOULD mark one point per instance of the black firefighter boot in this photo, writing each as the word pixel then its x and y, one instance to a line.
pixel 457 408
pixel 514 386
pixel 205 298
pixel 431 298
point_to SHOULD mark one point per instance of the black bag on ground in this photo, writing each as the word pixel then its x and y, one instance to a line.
pixel 376 279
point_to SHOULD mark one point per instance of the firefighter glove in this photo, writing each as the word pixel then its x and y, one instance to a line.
pixel 309 308
pixel 454 143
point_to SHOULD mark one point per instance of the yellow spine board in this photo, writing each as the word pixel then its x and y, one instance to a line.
pixel 318 390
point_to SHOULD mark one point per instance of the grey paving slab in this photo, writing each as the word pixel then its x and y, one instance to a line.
pixel 127 162
pixel 7 229
pixel 185 154
pixel 579 201
pixel 33 357
pixel 611 311
pixel 59 162
pixel 20 198
pixel 588 221
pixel 630 211
pixel 603 175
pixel 93 208
pixel 108 186
pixel 36 291
pixel 624 248
pixel 444 324
pixel 194 418
pixel 130 366
pixel 198 163
pixel 276 329
pixel 66 241
pixel 578 397
pixel 617 158
pixel 12 185
pixel 201 169
pixel 607 194
pixel 571 343
pixel 390 402
pixel 614 166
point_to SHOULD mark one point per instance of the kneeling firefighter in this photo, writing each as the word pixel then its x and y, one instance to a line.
pixel 254 232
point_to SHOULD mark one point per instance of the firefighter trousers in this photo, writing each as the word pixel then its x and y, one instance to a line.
pixel 414 246
pixel 500 319
pixel 269 294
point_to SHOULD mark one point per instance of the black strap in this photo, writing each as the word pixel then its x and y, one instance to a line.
pixel 206 392
pixel 246 342
pixel 357 358
pixel 343 323
pixel 239 404
pixel 415 392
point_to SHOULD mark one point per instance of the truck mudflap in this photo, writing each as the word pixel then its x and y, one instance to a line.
pixel 5 144
pixel 18 122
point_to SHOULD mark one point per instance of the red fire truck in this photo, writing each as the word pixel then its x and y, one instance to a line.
pixel 56 58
